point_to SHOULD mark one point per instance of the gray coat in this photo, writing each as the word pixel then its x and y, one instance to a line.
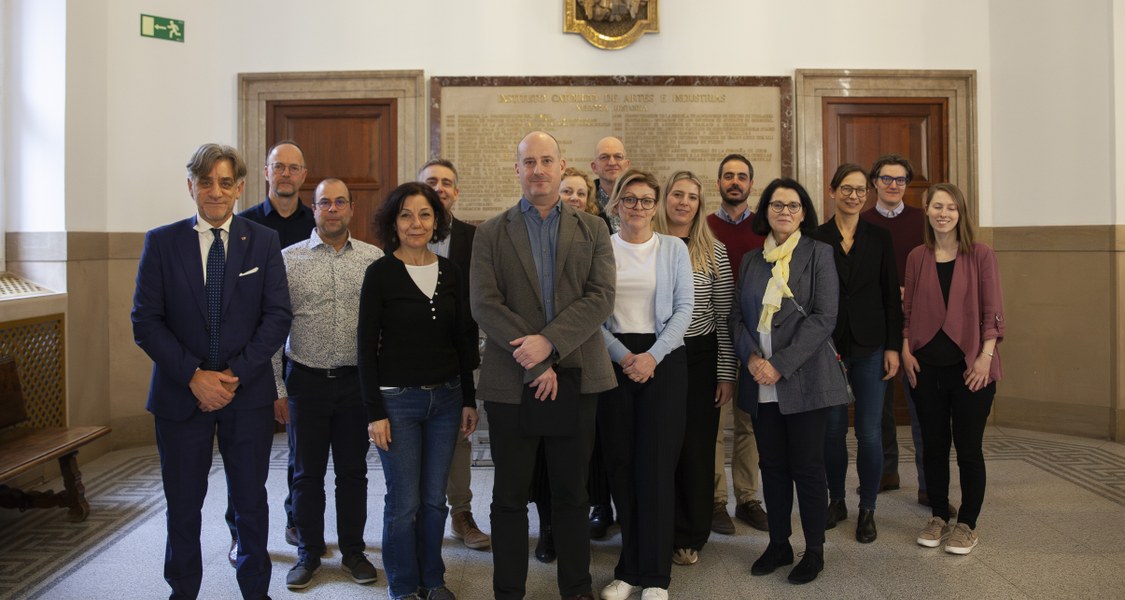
pixel 505 299
pixel 810 377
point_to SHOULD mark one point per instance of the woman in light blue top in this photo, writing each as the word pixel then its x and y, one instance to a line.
pixel 642 420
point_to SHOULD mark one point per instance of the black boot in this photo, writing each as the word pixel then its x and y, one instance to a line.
pixel 837 511
pixel 545 549
pixel 601 517
pixel 777 554
pixel 865 532
pixel 812 563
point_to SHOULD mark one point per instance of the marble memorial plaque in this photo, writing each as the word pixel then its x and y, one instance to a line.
pixel 666 123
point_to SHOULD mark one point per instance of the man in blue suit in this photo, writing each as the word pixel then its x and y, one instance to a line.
pixel 211 307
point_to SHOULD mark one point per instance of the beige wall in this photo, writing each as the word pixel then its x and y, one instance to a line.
pixel 1064 333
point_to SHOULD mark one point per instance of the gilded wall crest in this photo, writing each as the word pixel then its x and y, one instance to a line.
pixel 611 24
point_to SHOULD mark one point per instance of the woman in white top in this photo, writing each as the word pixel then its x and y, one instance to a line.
pixel 642 420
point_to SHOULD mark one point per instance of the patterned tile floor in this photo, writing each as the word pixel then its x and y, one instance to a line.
pixel 1053 526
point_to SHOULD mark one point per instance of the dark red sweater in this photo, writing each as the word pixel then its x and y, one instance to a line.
pixel 906 233
pixel 739 239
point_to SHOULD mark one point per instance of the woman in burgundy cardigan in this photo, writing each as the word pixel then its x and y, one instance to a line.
pixel 953 319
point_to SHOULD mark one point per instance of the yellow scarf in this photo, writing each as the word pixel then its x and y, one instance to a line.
pixel 778 286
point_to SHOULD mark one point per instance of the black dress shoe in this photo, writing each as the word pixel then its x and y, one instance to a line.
pixel 601 517
pixel 545 549
pixel 889 482
pixel 232 554
pixel 837 511
pixel 810 566
pixel 865 530
pixel 777 554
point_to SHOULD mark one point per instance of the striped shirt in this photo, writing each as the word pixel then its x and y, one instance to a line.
pixel 713 297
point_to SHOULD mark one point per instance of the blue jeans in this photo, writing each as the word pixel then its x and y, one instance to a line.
pixel 866 376
pixel 424 428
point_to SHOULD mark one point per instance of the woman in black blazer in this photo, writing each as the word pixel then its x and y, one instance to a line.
pixel 868 335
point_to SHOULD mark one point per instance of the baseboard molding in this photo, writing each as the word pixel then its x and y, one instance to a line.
pixel 1055 417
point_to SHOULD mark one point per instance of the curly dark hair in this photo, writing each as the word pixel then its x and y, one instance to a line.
pixel 761 224
pixel 387 216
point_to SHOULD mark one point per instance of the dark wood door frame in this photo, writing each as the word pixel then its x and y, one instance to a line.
pixel 957 87
pixel 256 89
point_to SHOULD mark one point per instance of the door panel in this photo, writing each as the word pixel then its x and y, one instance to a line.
pixel 351 140
pixel 859 130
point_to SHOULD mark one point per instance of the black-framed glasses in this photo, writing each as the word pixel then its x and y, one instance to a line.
pixel 848 190
pixel 647 203
pixel 326 203
pixel 792 207
pixel 888 180
pixel 282 167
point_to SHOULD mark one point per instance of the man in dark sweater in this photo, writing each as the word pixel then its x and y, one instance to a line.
pixel 283 212
pixel 890 176
pixel 731 225
pixel 441 175
pixel 609 161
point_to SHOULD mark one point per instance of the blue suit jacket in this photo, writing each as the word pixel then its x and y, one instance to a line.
pixel 170 314
pixel 810 377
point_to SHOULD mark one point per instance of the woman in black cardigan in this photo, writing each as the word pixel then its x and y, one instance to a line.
pixel 417 352
pixel 868 335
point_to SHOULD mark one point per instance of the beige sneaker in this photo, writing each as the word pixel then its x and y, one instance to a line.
pixel 935 532
pixel 962 540
pixel 465 529
pixel 685 556
pixel 619 590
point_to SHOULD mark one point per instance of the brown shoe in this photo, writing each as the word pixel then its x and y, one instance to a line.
pixel 924 500
pixel 752 513
pixel 889 482
pixel 720 521
pixel 465 529
pixel 232 554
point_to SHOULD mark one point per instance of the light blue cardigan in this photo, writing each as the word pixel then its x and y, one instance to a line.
pixel 673 281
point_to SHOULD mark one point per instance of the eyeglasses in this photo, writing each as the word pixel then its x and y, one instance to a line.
pixel 326 203
pixel 282 167
pixel 887 180
pixel 646 203
pixel 792 207
pixel 847 190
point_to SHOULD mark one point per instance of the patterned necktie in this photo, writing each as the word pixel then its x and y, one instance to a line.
pixel 216 272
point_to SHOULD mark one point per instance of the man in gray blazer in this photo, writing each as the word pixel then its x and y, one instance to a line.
pixel 542 283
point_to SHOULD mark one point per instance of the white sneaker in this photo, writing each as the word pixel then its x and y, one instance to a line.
pixel 654 593
pixel 619 590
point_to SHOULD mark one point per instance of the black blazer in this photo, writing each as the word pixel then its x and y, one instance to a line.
pixel 461 254
pixel 870 312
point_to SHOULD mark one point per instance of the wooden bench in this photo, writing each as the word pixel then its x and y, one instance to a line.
pixel 24 448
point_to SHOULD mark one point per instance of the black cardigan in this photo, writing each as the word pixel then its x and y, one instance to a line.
pixel 406 339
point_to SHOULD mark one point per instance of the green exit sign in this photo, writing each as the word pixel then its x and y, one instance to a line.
pixel 162 28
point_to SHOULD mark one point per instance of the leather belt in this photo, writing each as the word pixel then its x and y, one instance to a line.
pixel 333 373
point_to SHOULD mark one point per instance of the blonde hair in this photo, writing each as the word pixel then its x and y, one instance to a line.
pixel 966 230
pixel 591 193
pixel 701 243
pixel 626 179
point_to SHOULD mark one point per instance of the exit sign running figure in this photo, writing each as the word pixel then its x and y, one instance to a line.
pixel 162 28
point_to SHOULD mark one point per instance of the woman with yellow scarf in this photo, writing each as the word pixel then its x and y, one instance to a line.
pixel 782 320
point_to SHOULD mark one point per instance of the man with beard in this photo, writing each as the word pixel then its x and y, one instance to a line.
pixel 731 225
pixel 321 385
pixel 283 212
pixel 609 162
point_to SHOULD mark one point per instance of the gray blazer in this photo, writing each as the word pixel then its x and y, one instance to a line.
pixel 810 378
pixel 505 299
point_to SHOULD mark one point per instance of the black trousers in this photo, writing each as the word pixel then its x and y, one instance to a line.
pixel 642 434
pixel 327 414
pixel 695 477
pixel 949 412
pixel 567 460
pixel 791 453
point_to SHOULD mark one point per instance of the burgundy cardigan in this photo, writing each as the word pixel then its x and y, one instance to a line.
pixel 976 304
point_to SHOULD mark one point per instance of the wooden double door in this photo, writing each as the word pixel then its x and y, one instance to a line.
pixel 351 140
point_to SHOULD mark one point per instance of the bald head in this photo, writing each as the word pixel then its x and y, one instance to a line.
pixel 539 165
pixel 609 161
